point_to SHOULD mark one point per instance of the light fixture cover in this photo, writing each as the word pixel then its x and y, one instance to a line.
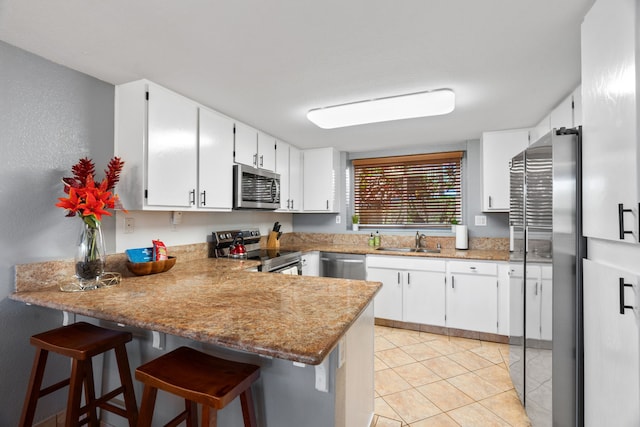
pixel 421 104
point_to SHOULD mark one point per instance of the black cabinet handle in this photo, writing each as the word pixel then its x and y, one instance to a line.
pixel 621 212
pixel 192 197
pixel 622 286
pixel 453 282
pixel 204 198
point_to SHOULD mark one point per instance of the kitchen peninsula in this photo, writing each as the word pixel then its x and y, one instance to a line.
pixel 312 337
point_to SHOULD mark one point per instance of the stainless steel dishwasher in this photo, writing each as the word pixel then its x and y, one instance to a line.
pixel 343 266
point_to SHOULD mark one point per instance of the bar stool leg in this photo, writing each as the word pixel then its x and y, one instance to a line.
pixel 248 413
pixel 146 407
pixel 90 392
pixel 192 413
pixel 209 416
pixel 127 385
pixel 33 389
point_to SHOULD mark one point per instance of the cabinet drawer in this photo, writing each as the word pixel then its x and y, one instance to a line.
pixel 406 263
pixel 474 267
pixel 547 272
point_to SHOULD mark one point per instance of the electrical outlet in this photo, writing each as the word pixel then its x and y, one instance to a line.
pixel 338 219
pixel 129 225
pixel 481 220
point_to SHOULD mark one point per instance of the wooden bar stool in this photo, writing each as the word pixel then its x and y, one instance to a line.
pixel 81 341
pixel 198 378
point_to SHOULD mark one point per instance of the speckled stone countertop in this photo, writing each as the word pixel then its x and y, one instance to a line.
pixel 489 249
pixel 295 318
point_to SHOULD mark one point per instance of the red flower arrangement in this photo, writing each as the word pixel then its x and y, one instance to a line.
pixel 87 199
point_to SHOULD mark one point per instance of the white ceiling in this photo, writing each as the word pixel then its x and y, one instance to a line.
pixel 267 63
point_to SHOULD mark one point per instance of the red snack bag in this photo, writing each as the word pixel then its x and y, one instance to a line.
pixel 159 250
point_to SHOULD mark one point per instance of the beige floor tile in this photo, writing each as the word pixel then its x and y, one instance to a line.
pixel 445 367
pixel 498 376
pixel 382 408
pixel 388 381
pixel 445 395
pixel 444 347
pixel 474 386
pixel 379 365
pixel 470 360
pixel 417 374
pixel 421 351
pixel 401 337
pixel 492 354
pixel 476 415
pixel 440 420
pixel 382 330
pixel 428 336
pixel 507 406
pixel 465 343
pixel 395 357
pixel 381 343
pixel 386 422
pixel 412 405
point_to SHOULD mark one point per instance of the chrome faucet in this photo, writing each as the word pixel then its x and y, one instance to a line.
pixel 419 238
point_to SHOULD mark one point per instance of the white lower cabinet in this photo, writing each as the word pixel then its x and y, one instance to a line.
pixel 472 296
pixel 413 293
pixel 311 263
pixel 611 346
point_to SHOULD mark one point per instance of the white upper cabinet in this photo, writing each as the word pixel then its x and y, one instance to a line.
pixel 288 166
pixel 321 171
pixel 577 107
pixel 295 179
pixel 497 149
pixel 246 145
pixel 266 151
pixel 562 115
pixel 156 134
pixel 215 161
pixel 609 113
pixel 254 148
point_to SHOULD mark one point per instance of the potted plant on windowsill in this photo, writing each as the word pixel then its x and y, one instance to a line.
pixel 355 221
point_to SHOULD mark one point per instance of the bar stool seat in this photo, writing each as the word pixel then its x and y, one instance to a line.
pixel 197 378
pixel 81 341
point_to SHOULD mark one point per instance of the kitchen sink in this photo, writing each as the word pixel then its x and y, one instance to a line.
pixel 419 250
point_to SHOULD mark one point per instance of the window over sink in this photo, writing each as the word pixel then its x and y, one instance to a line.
pixel 411 190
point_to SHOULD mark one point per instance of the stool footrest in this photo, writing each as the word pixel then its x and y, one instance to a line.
pixel 54 387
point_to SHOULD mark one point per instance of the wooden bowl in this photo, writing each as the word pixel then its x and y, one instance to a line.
pixel 152 267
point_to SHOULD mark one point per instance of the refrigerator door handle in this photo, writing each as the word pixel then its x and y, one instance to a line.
pixel 622 304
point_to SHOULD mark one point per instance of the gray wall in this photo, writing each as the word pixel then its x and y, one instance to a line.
pixel 50 116
pixel 497 223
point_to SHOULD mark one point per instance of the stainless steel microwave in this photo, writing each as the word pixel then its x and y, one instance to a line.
pixel 255 188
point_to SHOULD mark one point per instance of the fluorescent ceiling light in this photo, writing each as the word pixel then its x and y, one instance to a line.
pixel 421 104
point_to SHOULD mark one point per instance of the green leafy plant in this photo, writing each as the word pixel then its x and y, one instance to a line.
pixel 355 219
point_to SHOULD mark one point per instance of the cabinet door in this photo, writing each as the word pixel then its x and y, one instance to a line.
pixel 266 152
pixel 388 301
pixel 611 356
pixel 472 303
pixel 321 180
pixel 245 145
pixel 172 149
pixel 295 179
pixel 282 167
pixel 215 160
pixel 562 115
pixel 497 150
pixel 423 297
pixel 609 114
pixel 311 264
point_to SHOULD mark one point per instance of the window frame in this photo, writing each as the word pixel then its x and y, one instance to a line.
pixel 439 155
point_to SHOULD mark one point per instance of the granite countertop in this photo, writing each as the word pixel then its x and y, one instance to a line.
pixel 295 318
pixel 475 254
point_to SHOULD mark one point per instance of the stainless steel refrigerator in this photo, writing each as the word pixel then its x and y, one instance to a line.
pixel 545 359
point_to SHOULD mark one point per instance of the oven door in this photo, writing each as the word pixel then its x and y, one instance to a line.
pixel 291 269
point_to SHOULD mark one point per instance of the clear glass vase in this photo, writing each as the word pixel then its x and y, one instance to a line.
pixel 91 254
